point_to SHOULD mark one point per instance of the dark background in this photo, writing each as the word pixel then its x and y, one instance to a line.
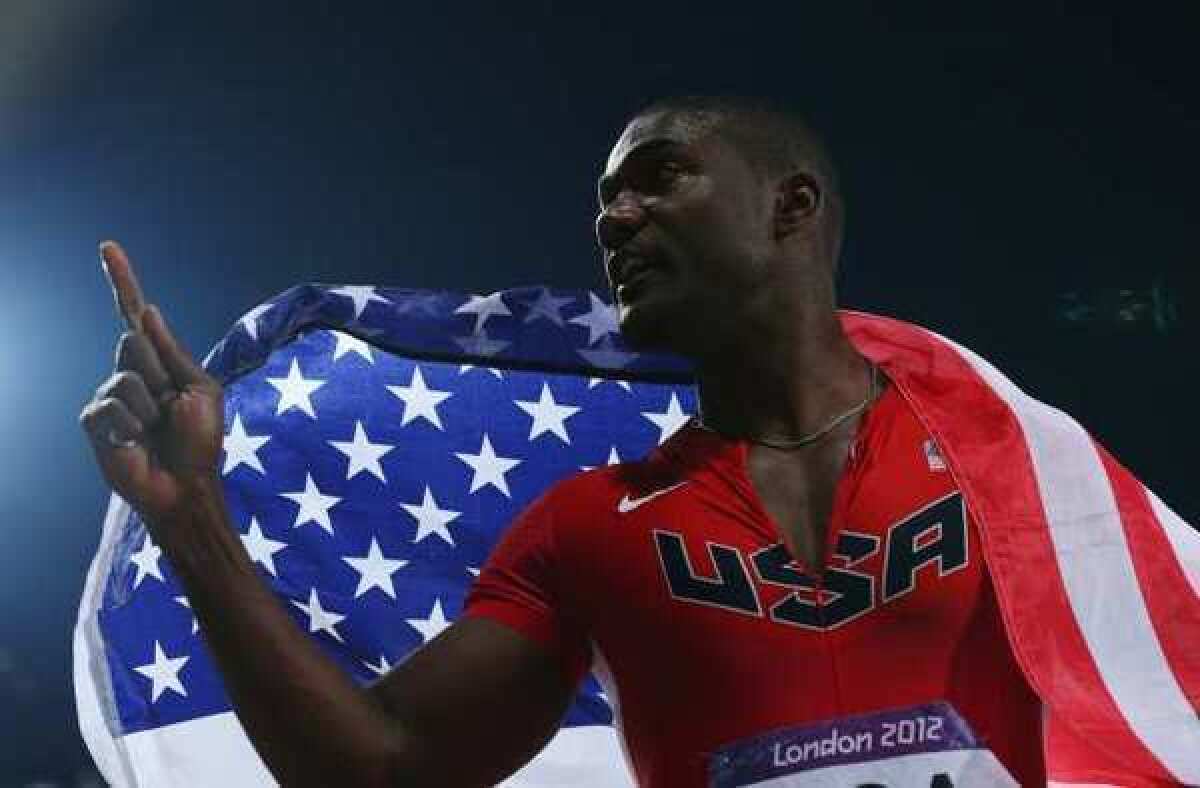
pixel 996 160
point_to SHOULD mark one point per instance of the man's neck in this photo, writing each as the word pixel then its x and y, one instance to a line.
pixel 781 378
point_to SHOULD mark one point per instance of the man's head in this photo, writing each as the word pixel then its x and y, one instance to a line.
pixel 715 211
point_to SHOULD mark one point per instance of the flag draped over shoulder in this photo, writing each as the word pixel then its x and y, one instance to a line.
pixel 1098 581
pixel 379 440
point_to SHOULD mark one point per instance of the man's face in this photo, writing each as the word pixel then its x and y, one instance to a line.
pixel 684 225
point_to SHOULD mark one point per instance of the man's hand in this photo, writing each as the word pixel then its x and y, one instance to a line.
pixel 157 424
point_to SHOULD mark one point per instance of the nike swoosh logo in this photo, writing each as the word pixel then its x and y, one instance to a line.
pixel 627 504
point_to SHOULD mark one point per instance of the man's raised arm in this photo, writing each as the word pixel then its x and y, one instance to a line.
pixel 468 708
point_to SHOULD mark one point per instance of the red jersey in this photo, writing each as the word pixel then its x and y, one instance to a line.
pixel 669 578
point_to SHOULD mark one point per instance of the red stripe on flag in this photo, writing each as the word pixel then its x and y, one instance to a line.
pixel 988 455
pixel 1078 762
pixel 1174 609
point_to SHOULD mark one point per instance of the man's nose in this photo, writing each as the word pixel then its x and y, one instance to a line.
pixel 620 220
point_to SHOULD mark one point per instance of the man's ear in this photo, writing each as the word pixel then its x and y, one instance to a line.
pixel 796 204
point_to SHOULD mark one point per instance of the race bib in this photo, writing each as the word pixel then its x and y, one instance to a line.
pixel 927 745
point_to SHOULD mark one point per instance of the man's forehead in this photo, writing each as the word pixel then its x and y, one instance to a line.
pixel 681 128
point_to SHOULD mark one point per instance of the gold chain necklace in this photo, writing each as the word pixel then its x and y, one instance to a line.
pixel 791 444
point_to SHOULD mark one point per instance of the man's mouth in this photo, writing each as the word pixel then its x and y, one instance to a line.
pixel 633 277
pixel 630 271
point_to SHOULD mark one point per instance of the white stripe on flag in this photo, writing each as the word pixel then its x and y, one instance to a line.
pixel 93 691
pixel 214 750
pixel 1097 571
pixel 604 675
pixel 209 750
pixel 588 756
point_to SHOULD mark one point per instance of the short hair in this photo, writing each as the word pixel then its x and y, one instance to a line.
pixel 773 138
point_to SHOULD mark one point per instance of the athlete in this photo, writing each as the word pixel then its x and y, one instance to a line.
pixel 796 554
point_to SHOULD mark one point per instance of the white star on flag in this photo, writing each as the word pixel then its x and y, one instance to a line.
pixel 669 421
pixel 249 321
pixel 382 668
pixel 364 455
pixel 146 561
pixel 260 548
pixel 547 307
pixel 348 343
pixel 484 307
pixel 361 296
pixel 418 305
pixel 489 467
pixel 430 519
pixel 320 619
pixel 613 459
pixel 295 390
pixel 606 356
pixel 241 448
pixel 430 627
pixel 420 401
pixel 593 382
pixel 314 507
pixel 548 415
pixel 188 604
pixel 163 673
pixel 374 571
pixel 465 368
pixel 600 320
pixel 481 344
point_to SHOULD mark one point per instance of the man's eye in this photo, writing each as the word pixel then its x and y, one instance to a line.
pixel 666 172
pixel 669 170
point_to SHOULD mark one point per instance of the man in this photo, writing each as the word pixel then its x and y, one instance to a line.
pixel 797 554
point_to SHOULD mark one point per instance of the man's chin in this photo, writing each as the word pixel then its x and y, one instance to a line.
pixel 649 326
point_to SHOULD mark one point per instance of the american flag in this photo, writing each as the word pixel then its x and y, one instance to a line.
pixel 378 442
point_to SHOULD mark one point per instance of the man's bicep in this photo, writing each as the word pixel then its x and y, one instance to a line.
pixel 477 702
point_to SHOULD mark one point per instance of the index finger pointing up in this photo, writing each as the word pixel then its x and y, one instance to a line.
pixel 126 291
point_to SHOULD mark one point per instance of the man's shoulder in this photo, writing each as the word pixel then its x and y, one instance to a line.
pixel 593 483
pixel 596 490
